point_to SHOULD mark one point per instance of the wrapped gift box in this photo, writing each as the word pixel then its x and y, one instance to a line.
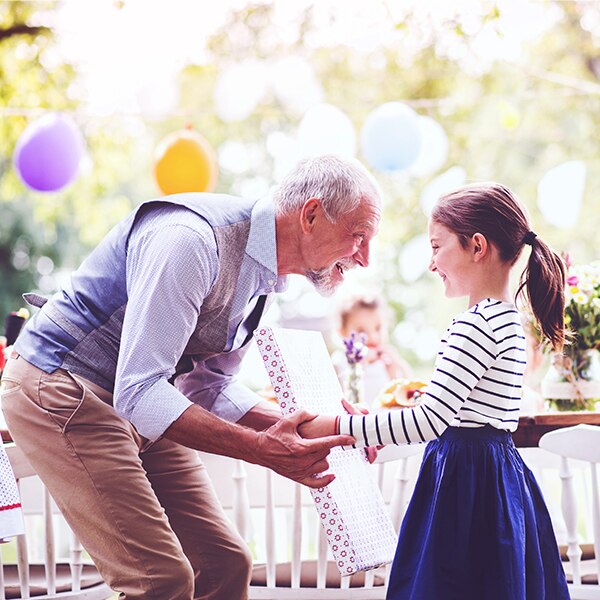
pixel 352 511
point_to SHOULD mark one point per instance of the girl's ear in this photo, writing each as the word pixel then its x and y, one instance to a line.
pixel 480 246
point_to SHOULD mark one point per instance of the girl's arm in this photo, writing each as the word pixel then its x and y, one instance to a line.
pixel 321 425
pixel 469 351
pixel 324 423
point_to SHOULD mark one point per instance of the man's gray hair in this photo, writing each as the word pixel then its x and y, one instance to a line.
pixel 339 183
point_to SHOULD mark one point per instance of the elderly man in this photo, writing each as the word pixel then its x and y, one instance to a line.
pixel 122 375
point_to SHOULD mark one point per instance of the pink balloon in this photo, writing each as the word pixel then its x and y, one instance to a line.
pixel 48 153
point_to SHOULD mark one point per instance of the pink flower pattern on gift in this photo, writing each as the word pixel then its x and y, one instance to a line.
pixel 331 518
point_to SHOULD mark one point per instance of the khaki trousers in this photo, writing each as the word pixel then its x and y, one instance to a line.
pixel 146 513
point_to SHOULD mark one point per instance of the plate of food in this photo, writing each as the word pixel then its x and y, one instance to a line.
pixel 402 393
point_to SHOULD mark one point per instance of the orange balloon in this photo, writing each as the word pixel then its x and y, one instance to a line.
pixel 185 162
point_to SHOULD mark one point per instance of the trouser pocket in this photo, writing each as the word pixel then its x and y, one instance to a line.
pixel 60 396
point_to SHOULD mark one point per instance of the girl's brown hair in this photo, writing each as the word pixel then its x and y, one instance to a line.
pixel 492 210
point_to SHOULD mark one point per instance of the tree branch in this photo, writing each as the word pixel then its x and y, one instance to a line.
pixel 21 29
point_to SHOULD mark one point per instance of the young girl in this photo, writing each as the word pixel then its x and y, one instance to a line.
pixel 477 527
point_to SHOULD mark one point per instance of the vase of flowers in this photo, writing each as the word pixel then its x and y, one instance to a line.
pixel 355 349
pixel 573 379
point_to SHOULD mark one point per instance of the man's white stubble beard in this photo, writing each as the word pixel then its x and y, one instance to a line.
pixel 323 279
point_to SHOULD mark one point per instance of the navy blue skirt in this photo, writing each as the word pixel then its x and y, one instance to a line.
pixel 477 526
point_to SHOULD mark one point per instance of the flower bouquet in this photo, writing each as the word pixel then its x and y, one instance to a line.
pixel 356 350
pixel 573 380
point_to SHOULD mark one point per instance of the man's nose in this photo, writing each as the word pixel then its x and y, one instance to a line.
pixel 361 256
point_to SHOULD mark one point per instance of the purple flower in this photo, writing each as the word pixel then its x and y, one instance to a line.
pixel 356 350
pixel 572 280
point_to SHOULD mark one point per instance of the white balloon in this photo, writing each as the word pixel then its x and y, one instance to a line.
pixel 294 83
pixel 434 148
pixel 241 157
pixel 239 89
pixel 560 193
pixel 158 98
pixel 390 139
pixel 415 257
pixel 325 129
pixel 446 182
pixel 285 151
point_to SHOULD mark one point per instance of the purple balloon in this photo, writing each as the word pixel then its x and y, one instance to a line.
pixel 48 153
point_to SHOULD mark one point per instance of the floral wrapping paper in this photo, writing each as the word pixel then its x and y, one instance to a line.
pixel 352 511
pixel 11 514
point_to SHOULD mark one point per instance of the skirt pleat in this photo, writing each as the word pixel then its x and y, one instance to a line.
pixel 477 526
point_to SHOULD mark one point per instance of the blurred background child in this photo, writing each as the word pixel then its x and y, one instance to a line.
pixel 367 316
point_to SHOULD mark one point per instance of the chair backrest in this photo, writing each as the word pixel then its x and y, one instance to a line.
pixel 278 520
pixel 581 442
pixel 75 579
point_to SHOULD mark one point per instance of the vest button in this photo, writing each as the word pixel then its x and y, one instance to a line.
pixel 271 282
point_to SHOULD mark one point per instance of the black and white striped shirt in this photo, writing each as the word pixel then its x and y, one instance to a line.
pixel 477 380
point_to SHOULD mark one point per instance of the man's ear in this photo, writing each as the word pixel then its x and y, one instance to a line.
pixel 480 246
pixel 308 214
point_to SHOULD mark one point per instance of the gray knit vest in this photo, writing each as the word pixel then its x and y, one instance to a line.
pixel 93 352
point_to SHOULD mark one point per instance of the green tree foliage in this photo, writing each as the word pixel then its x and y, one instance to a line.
pixel 64 225
pixel 25 84
pixel 508 119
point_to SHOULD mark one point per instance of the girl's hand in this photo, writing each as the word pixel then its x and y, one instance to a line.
pixel 318 426
pixel 352 409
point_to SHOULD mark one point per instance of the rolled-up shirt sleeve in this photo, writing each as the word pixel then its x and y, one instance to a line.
pixel 170 270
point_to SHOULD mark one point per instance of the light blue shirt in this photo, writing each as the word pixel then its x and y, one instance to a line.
pixel 172 263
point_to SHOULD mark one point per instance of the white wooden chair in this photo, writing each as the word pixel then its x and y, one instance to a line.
pixel 50 578
pixel 581 442
pixel 278 520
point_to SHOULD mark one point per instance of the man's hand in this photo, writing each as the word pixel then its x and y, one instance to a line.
pixel 280 447
pixel 284 450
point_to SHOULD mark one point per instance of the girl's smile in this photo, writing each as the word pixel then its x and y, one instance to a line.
pixel 450 260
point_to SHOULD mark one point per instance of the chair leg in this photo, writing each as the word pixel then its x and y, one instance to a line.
pixel 270 531
pixel 596 517
pixel 569 508
pixel 2 594
pixel 296 535
pixel 76 562
pixel 49 553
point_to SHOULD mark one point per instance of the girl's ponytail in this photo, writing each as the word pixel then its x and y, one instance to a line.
pixel 492 210
pixel 543 279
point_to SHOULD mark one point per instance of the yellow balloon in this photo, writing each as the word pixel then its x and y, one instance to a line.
pixel 185 162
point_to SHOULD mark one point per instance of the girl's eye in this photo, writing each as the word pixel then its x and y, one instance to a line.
pixel 360 237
